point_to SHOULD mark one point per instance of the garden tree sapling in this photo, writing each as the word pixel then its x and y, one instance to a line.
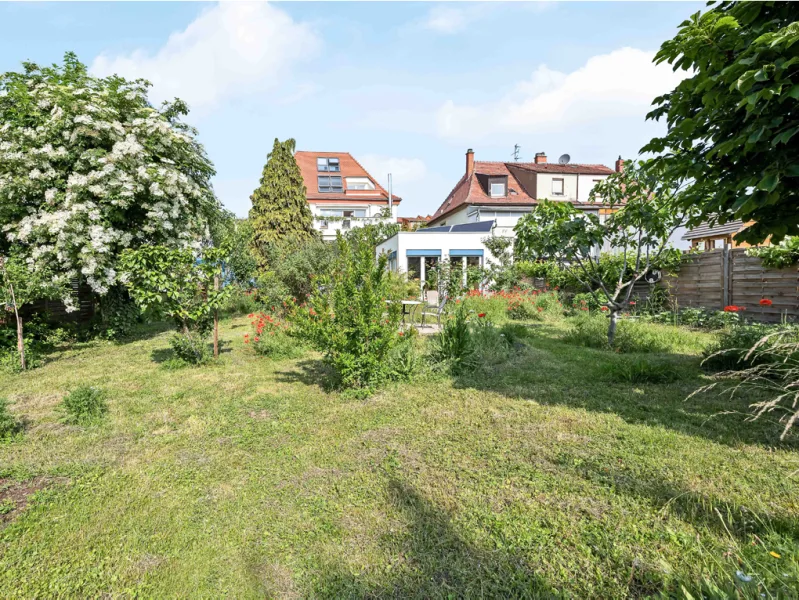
pixel 20 285
pixel 88 168
pixel 638 228
pixel 178 283
pixel 733 123
pixel 280 211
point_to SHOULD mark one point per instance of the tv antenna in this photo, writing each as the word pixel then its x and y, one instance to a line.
pixel 564 159
pixel 516 150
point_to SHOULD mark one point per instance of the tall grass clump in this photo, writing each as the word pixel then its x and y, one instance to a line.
pixel 643 369
pixel 9 424
pixel 84 405
pixel 454 344
pixel 631 336
pixel 732 350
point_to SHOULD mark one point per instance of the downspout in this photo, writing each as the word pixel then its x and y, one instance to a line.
pixel 390 197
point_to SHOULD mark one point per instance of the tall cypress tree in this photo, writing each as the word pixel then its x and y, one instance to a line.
pixel 280 212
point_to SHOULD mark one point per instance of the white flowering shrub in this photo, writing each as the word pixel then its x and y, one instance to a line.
pixel 89 168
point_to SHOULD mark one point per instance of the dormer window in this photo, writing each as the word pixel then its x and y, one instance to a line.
pixel 327 165
pixel 329 183
pixel 497 186
pixel 360 183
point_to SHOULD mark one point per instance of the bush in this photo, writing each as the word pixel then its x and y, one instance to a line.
pixel 192 347
pixel 9 424
pixel 520 304
pixel 271 338
pixel 353 316
pixel 641 370
pixel 631 336
pixel 84 405
pixel 454 344
pixel 240 301
pixel 729 353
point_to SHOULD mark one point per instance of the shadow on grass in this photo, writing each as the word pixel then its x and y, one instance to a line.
pixel 554 372
pixel 312 372
pixel 430 559
pixel 669 497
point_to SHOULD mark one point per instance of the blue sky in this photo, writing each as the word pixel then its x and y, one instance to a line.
pixel 405 87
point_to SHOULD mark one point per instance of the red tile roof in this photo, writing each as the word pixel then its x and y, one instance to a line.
pixel 469 190
pixel 349 168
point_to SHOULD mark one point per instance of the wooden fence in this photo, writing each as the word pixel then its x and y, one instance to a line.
pixel 726 276
pixel 56 312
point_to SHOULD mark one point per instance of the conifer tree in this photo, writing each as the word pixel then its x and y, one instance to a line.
pixel 280 212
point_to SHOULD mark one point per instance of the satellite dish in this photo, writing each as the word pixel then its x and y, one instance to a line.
pixel 564 159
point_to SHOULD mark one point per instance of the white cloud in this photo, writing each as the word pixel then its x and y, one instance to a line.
pixel 403 171
pixel 621 84
pixel 230 50
pixel 448 20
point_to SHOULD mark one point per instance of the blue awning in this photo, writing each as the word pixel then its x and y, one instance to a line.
pixel 466 253
pixel 423 253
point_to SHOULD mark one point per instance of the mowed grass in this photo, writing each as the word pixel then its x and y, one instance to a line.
pixel 543 477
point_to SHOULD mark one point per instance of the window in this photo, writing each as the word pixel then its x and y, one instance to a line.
pixel 323 224
pixel 329 183
pixel 414 268
pixel 346 224
pixel 557 187
pixel 343 212
pixel 328 164
pixel 497 189
pixel 360 183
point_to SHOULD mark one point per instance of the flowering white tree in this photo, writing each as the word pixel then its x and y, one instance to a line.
pixel 88 167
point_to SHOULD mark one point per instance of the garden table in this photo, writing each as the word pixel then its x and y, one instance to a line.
pixel 408 307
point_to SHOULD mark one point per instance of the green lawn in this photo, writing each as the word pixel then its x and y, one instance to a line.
pixel 538 478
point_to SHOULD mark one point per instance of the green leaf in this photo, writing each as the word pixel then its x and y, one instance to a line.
pixel 786 135
pixel 769 182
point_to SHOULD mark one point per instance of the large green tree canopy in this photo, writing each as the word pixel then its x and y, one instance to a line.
pixel 733 123
pixel 280 212
pixel 88 167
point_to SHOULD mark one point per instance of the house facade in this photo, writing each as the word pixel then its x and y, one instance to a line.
pixel 709 237
pixel 503 192
pixel 419 253
pixel 342 194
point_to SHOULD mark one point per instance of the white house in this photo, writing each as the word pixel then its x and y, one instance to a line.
pixel 342 194
pixel 415 252
pixel 505 191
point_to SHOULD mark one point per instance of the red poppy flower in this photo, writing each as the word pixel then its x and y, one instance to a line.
pixel 401 334
pixel 250 315
pixel 603 308
pixel 246 341
pixel 257 339
pixel 766 302
pixel 731 308
pixel 632 302
pixel 481 315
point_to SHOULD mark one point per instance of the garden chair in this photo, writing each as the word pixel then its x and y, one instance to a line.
pixel 437 308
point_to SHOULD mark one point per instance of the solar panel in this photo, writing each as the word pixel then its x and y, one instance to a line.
pixel 479 227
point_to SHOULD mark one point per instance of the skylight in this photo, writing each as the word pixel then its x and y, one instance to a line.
pixel 329 183
pixel 327 165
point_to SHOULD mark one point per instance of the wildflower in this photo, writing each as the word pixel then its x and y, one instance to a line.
pixel 766 302
pixel 731 308
pixel 251 315
pixel 257 339
pixel 632 302
pixel 246 341
pixel 540 309
pixel 774 554
pixel 481 315
pixel 401 333
pixel 603 308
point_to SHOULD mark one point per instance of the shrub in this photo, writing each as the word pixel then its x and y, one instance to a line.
pixel 631 336
pixel 454 344
pixel 353 316
pixel 637 369
pixel 729 353
pixel 240 301
pixel 271 338
pixel 584 302
pixel 9 424
pixel 84 405
pixel 191 347
pixel 479 302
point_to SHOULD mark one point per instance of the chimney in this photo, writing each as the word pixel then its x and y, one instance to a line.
pixel 469 162
pixel 540 158
pixel 619 165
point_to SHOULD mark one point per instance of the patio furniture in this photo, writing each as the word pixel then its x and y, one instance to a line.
pixel 408 308
pixel 438 307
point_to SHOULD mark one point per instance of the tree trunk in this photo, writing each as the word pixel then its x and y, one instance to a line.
pixel 216 321
pixel 20 336
pixel 612 327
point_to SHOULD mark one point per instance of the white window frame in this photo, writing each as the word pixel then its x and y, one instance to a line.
pixel 562 191
pixel 360 183
pixel 502 190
